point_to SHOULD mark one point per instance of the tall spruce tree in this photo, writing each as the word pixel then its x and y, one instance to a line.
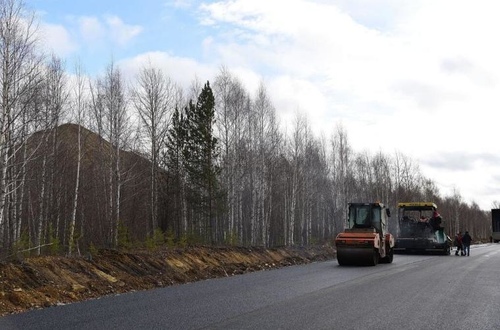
pixel 176 138
pixel 200 155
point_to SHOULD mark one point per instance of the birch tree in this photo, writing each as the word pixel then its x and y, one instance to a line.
pixel 317 192
pixel 264 128
pixel 232 126
pixel 54 101
pixel 80 105
pixel 342 176
pixel 20 74
pixel 110 113
pixel 407 175
pixel 362 177
pixel 154 99
pixel 382 166
pixel 455 211
pixel 296 155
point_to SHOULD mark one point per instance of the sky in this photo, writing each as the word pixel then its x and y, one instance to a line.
pixel 417 77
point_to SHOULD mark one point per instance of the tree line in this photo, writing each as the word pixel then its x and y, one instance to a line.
pixel 89 162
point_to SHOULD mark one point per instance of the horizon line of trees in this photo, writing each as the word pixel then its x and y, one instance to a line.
pixel 151 163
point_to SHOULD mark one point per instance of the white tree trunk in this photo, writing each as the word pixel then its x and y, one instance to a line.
pixel 72 224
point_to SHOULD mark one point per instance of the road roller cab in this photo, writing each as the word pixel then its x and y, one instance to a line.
pixel 365 241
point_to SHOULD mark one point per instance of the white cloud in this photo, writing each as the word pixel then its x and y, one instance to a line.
pixel 180 3
pixel 417 77
pixel 120 32
pixel 91 29
pixel 174 67
pixel 98 32
pixel 56 39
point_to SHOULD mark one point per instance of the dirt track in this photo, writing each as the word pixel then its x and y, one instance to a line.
pixel 40 282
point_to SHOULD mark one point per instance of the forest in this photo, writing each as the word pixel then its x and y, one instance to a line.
pixel 90 162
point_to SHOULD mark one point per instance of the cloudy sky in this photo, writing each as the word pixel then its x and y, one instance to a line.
pixel 419 77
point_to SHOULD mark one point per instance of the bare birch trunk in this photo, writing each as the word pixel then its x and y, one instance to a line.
pixel 118 195
pixel 293 200
pixel 41 206
pixel 17 230
pixel 111 197
pixel 72 224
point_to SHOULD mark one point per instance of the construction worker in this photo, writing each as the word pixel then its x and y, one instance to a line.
pixel 435 221
pixel 458 244
pixel 466 240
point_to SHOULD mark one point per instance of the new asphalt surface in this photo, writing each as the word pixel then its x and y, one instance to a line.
pixel 414 292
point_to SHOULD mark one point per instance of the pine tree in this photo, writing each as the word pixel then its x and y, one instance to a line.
pixel 176 138
pixel 200 155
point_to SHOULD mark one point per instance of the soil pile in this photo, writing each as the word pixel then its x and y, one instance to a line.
pixel 39 282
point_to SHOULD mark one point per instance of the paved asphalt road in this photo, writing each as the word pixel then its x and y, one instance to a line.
pixel 414 292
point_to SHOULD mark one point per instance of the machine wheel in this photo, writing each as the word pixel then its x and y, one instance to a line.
pixel 375 258
pixel 342 260
pixel 447 251
pixel 388 258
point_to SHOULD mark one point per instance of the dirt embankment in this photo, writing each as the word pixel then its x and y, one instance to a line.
pixel 46 281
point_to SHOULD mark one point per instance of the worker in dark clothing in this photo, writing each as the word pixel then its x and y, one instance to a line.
pixel 466 240
pixel 458 243
pixel 435 221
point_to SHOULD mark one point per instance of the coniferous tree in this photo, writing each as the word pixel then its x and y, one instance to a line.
pixel 200 154
pixel 176 137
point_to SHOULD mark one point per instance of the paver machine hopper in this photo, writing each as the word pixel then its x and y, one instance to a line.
pixel 365 240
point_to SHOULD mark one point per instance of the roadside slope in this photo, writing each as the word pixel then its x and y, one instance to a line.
pixel 39 282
